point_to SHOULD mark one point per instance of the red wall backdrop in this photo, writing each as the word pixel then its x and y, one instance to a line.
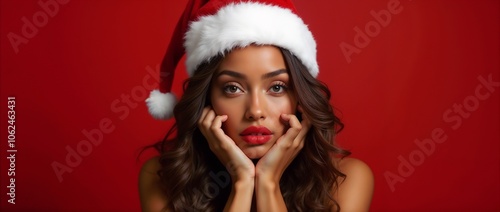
pixel 416 82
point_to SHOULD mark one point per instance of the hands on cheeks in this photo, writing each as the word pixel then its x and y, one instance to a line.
pixel 274 162
pixel 237 163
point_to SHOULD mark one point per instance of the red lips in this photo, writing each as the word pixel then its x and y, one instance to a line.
pixel 256 135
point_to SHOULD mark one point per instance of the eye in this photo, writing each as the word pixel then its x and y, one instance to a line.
pixel 231 89
pixel 278 88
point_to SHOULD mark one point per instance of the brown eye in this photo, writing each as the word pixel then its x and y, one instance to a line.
pixel 278 88
pixel 231 89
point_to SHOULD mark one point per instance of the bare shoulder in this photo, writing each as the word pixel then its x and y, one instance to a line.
pixel 151 195
pixel 353 166
pixel 356 190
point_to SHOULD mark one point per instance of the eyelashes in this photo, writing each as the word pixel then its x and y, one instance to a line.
pixel 233 88
pixel 278 88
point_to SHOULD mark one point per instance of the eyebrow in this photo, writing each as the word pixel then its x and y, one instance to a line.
pixel 242 76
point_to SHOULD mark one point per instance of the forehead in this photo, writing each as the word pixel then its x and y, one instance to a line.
pixel 253 59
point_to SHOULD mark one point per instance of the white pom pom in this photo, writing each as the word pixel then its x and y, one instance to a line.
pixel 161 105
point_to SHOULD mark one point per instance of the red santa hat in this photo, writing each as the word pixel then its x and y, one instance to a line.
pixel 208 28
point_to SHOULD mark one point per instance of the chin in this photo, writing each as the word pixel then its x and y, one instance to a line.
pixel 256 152
pixel 254 156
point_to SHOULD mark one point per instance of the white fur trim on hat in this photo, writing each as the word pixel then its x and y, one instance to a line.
pixel 161 105
pixel 245 23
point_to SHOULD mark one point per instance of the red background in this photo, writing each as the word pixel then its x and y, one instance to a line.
pixel 71 75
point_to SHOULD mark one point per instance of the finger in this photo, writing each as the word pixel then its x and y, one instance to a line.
pixel 203 115
pixel 217 123
pixel 286 148
pixel 293 122
pixel 292 132
pixel 207 122
pixel 219 137
pixel 306 125
pixel 302 128
pixel 209 118
pixel 210 127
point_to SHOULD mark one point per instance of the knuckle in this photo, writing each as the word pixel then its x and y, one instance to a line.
pixel 206 124
pixel 295 145
pixel 298 128
pixel 286 145
pixel 213 128
pixel 301 146
pixel 295 131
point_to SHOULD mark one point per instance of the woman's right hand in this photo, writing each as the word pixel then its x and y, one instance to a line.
pixel 239 166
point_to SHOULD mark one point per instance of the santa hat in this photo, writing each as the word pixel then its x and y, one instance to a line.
pixel 208 28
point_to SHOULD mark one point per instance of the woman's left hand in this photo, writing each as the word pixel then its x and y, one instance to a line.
pixel 276 160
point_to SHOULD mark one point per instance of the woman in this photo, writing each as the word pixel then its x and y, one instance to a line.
pixel 254 129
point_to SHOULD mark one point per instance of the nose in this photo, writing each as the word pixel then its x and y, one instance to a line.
pixel 256 106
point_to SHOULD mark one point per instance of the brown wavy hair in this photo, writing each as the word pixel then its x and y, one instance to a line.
pixel 188 166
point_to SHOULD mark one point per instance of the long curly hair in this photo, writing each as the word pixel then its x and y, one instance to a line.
pixel 191 174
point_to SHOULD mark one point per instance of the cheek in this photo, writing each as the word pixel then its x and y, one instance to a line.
pixel 232 109
pixel 223 106
pixel 217 103
pixel 282 105
pixel 230 126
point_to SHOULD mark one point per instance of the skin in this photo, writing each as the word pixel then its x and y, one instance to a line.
pixel 250 89
pixel 247 96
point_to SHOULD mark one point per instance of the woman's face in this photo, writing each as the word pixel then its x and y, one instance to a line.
pixel 252 87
